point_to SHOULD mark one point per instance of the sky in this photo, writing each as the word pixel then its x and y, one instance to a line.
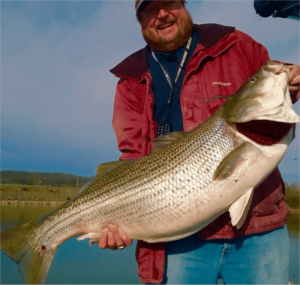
pixel 56 89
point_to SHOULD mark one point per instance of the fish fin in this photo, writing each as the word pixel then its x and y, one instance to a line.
pixel 94 237
pixel 21 246
pixel 101 170
pixel 165 139
pixel 85 186
pixel 104 168
pixel 232 161
pixel 94 240
pixel 240 207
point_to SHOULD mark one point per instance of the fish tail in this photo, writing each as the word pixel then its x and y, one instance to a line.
pixel 22 246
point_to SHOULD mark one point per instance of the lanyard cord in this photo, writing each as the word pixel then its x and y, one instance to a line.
pixel 187 47
pixel 165 126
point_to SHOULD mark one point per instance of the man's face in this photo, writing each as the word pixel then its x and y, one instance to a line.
pixel 166 25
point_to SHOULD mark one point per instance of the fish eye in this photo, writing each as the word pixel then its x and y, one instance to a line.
pixel 252 79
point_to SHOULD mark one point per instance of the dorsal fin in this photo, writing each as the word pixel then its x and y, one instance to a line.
pixel 103 168
pixel 86 185
pixel 165 139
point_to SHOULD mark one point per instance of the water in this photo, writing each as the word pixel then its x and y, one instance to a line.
pixel 79 263
pixel 74 262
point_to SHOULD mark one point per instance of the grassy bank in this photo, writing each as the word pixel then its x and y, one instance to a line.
pixel 13 194
pixel 292 193
pixel 56 179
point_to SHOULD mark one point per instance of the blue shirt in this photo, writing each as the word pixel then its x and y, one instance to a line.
pixel 161 89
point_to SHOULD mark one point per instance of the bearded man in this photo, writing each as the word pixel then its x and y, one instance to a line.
pixel 183 75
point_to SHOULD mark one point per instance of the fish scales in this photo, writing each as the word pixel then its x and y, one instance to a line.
pixel 178 189
pixel 149 191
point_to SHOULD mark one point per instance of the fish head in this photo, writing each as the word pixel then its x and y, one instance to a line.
pixel 264 96
pixel 262 107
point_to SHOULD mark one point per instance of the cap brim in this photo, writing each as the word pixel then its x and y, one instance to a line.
pixel 142 5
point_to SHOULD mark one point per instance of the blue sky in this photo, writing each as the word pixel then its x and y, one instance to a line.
pixel 57 91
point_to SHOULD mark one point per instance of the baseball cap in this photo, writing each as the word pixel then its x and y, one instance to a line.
pixel 141 3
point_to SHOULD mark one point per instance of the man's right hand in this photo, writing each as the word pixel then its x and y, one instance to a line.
pixel 112 238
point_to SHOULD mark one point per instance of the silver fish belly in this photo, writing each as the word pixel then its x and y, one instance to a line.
pixel 178 189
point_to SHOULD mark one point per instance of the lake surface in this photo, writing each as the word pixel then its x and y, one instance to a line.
pixel 76 262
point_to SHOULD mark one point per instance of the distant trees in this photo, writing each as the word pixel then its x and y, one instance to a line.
pixel 292 194
pixel 42 178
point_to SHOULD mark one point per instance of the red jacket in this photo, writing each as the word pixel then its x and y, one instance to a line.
pixel 223 60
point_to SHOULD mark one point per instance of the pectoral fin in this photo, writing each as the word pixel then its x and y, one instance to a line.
pixel 239 209
pixel 232 161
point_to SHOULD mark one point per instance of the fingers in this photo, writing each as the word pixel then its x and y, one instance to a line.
pixel 293 89
pixel 294 79
pixel 127 241
pixel 103 238
pixel 117 242
pixel 294 74
pixel 113 239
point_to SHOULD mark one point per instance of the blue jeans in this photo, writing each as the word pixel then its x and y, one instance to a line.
pixel 253 259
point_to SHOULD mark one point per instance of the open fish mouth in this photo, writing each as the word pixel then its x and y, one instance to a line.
pixel 179 189
pixel 264 132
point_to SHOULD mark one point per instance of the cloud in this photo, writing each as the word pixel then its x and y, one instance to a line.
pixel 279 35
pixel 292 55
pixel 57 91
pixel 242 15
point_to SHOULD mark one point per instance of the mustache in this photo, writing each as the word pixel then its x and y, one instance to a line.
pixel 161 26
pixel 158 43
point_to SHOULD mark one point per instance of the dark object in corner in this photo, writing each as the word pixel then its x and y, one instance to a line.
pixel 281 9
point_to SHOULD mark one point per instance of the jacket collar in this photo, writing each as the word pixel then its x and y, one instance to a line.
pixel 136 64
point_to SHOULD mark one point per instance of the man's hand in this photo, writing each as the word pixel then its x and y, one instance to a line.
pixel 112 238
pixel 294 79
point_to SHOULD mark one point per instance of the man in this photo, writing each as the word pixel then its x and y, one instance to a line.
pixel 164 88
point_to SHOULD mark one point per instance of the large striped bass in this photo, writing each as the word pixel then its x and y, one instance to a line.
pixel 181 187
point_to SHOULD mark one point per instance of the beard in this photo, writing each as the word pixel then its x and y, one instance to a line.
pixel 181 37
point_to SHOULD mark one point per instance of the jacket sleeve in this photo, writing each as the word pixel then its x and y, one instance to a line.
pixel 127 120
pixel 255 52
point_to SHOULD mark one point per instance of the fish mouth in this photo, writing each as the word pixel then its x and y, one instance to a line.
pixel 276 68
pixel 264 132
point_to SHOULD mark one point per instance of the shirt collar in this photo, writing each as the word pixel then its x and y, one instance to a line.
pixel 136 65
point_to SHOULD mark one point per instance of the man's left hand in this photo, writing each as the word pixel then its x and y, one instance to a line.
pixel 294 79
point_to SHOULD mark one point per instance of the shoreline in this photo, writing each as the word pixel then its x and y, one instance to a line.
pixel 15 202
pixel 295 211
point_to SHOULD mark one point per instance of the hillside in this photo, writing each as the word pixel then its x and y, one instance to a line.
pixel 42 178
pixel 292 194
pixel 15 193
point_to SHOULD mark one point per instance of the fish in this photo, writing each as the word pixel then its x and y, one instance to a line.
pixel 187 181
